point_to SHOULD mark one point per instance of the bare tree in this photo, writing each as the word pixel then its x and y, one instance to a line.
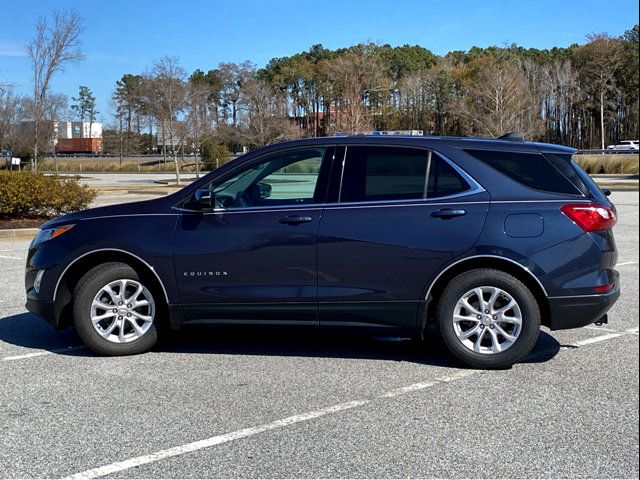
pixel 603 59
pixel 199 121
pixel 56 44
pixel 233 76
pixel 267 120
pixel 9 117
pixel 165 95
pixel 355 76
pixel 498 99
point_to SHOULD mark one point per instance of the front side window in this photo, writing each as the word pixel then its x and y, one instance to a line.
pixel 396 173
pixel 285 178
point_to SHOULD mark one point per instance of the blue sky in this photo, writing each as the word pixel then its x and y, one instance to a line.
pixel 124 36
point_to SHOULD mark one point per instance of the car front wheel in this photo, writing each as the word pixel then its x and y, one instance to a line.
pixel 488 319
pixel 115 310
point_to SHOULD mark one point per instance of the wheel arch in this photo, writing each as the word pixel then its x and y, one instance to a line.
pixel 83 263
pixel 485 261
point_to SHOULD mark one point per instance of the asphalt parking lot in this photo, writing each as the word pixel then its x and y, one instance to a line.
pixel 238 403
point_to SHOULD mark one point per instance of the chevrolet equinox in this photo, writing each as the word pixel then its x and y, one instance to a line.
pixel 487 240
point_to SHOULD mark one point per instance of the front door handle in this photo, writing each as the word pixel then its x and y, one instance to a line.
pixel 447 213
pixel 295 220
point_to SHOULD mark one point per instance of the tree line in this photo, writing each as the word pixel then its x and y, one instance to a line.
pixel 584 96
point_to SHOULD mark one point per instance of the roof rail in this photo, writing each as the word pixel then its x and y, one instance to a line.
pixel 512 137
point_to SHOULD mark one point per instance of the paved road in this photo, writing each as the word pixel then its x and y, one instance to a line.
pixel 229 403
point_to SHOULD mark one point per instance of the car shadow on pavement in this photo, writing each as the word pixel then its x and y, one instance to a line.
pixel 28 331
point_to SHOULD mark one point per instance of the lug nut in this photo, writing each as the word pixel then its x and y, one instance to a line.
pixel 486 311
pixel 479 317
pixel 492 326
pixel 495 317
pixel 128 305
pixel 481 327
pixel 119 303
pixel 115 310
pixel 128 314
pixel 119 317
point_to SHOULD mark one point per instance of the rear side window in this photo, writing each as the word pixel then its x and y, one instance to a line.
pixel 396 173
pixel 565 164
pixel 529 169
pixel 383 173
pixel 444 180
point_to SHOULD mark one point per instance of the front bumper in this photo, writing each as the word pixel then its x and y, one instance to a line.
pixel 580 311
pixel 47 310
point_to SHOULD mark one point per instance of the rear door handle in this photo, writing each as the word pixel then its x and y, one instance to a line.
pixel 295 220
pixel 447 213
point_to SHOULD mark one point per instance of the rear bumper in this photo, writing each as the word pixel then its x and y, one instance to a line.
pixel 580 311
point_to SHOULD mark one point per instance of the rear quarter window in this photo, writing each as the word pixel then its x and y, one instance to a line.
pixel 529 169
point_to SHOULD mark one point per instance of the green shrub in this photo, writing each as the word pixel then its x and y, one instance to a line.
pixel 29 194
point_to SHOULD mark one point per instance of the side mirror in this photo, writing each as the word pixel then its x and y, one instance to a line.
pixel 607 192
pixel 264 190
pixel 202 199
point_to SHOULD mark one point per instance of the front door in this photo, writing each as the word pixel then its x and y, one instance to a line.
pixel 253 257
pixel 402 213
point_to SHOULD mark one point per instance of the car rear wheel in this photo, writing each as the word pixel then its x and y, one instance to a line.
pixel 488 319
pixel 115 310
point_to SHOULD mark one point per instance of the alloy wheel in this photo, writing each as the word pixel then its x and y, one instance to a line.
pixel 487 320
pixel 122 311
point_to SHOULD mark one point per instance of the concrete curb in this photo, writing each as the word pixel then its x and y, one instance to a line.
pixel 18 233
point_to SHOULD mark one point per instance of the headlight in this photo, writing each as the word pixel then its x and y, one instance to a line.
pixel 50 233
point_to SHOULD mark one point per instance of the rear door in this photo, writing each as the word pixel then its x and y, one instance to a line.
pixel 401 213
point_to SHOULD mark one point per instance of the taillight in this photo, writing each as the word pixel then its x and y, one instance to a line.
pixel 590 217
pixel 604 288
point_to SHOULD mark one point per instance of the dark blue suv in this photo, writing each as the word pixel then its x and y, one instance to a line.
pixel 485 239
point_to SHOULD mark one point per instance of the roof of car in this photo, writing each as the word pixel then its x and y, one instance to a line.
pixel 455 142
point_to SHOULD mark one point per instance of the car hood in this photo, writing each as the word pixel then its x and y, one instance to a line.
pixel 156 205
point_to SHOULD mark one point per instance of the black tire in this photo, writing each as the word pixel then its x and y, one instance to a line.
pixel 529 308
pixel 85 291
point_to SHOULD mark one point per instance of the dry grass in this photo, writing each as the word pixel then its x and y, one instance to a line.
pixel 608 164
pixel 105 165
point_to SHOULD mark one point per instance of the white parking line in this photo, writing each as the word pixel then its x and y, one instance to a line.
pixel 601 329
pixel 41 353
pixel 626 263
pixel 601 338
pixel 217 440
pixel 303 417
pixel 12 258
pixel 409 388
pixel 633 331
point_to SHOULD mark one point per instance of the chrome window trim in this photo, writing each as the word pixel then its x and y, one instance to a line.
pixel 544 290
pixel 249 163
pixel 342 165
pixel 332 206
pixel 474 186
pixel 370 204
pixel 55 291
